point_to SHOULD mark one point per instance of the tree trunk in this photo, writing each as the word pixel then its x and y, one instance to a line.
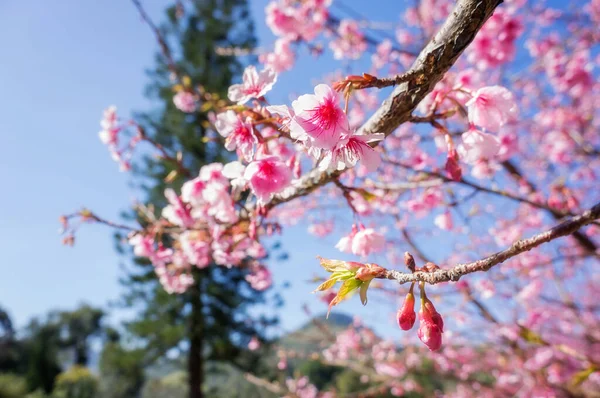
pixel 196 331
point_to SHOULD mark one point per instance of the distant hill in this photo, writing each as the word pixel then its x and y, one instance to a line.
pixel 311 337
pixel 314 335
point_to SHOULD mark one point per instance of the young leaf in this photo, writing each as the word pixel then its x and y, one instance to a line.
pixel 349 286
pixel 363 292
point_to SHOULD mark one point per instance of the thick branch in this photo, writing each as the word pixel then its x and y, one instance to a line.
pixel 428 69
pixel 455 273
pixel 433 62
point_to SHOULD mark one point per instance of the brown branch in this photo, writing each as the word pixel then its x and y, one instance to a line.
pixel 516 174
pixel 429 68
pixel 520 246
pixel 86 214
pixel 557 214
pixel 433 62
pixel 164 47
pixel 468 293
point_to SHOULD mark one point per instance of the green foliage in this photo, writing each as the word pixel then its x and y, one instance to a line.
pixel 77 327
pixel 348 381
pixel 43 346
pixel 173 385
pixel 121 370
pixel 77 382
pixel 319 374
pixel 210 320
pixel 12 386
pixel 12 351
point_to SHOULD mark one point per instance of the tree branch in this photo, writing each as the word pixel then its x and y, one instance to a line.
pixel 455 273
pixel 429 68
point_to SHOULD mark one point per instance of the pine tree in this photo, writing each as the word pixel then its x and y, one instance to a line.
pixel 209 322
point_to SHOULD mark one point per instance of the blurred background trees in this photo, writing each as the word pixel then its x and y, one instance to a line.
pixel 210 322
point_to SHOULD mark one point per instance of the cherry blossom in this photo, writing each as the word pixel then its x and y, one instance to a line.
pixel 319 118
pixel 177 211
pixel 267 176
pixel 238 133
pixel 255 85
pixel 185 101
pixel 282 58
pixel 260 277
pixel 492 107
pixel 352 149
pixel 350 43
pixel 477 145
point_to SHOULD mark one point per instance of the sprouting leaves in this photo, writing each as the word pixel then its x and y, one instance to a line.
pixel 354 276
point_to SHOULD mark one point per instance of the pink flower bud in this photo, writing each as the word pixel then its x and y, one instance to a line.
pixel 453 168
pixel 431 335
pixel 431 327
pixel 369 271
pixel 406 314
pixel 435 316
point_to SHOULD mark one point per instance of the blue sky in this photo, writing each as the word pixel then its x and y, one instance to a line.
pixel 62 63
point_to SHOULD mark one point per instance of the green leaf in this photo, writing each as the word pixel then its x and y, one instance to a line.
pixel 347 288
pixel 582 376
pixel 363 292
pixel 531 336
pixel 328 284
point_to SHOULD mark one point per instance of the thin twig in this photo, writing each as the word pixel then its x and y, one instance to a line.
pixel 520 246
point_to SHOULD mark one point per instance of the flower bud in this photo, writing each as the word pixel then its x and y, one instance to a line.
pixel 369 271
pixel 406 314
pixel 409 260
pixel 432 325
pixel 434 315
pixel 430 334
pixel 453 169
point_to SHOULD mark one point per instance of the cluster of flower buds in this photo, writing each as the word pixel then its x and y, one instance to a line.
pixel 432 325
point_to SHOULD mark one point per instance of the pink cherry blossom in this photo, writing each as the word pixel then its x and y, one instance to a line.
pixel 492 107
pixel 185 101
pixel 255 85
pixel 143 246
pixel 494 44
pixel 238 134
pixel 345 243
pixel 321 229
pixel 282 58
pixel 260 277
pixel 477 145
pixel 297 20
pixel 444 221
pixel 110 129
pixel 350 43
pixel 254 344
pixel 195 249
pixel 367 241
pixel 319 117
pixel 177 212
pixel 352 149
pixel 267 176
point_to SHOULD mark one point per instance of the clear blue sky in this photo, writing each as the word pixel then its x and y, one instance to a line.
pixel 63 62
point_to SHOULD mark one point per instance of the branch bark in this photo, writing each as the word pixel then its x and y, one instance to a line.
pixel 520 246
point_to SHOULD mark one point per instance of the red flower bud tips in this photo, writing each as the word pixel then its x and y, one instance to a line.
pixel 406 314
pixel 431 327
